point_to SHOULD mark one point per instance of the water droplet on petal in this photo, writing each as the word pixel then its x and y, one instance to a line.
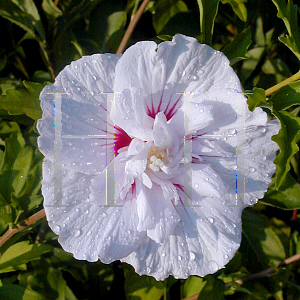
pixel 76 232
pixel 192 256
pixel 211 220
pixel 262 130
pixel 163 254
pixel 226 256
pixel 56 229
pixel 232 131
pixel 196 185
pixel 183 73
pixel 251 170
pixel 213 266
pixel 179 257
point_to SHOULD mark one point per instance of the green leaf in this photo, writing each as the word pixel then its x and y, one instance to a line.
pixel 51 9
pixel 288 13
pixel 21 253
pixel 286 139
pixel 7 84
pixel 15 165
pixel 259 33
pixel 142 287
pixel 164 11
pixel 256 97
pixel 260 245
pixel 23 101
pixel 107 23
pixel 208 11
pixel 77 10
pixel 277 71
pixel 165 37
pixel 287 96
pixel 237 49
pixel 24 14
pixel 238 7
pixel 286 197
pixel 59 284
pixel 213 289
pixel 249 65
pixel 6 128
pixel 18 292
pixel 192 286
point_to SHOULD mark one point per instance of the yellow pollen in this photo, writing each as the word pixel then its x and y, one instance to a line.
pixel 157 157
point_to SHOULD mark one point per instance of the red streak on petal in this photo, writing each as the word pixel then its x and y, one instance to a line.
pixel 172 111
pixel 122 139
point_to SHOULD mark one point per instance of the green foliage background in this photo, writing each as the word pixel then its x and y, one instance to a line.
pixel 39 38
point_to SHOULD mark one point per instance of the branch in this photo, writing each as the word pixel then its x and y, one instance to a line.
pixel 131 26
pixel 12 231
pixel 264 273
pixel 278 86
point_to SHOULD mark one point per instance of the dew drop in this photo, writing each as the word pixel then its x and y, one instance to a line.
pixel 179 257
pixel 192 256
pixel 87 212
pixel 183 73
pixel 262 130
pixel 208 112
pixel 213 266
pixel 226 256
pixel 94 77
pixel 251 170
pixel 196 185
pixel 163 254
pixel 232 131
pixel 211 220
pixel 76 232
pixel 56 229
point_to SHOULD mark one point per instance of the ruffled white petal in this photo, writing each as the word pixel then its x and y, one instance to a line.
pixel 83 114
pixel 204 241
pixel 157 215
pixel 86 228
pixel 164 72
pixel 129 114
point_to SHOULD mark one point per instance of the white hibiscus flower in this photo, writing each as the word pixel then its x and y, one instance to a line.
pixel 158 177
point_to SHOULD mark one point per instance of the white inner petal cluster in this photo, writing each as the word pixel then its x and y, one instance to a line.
pixel 157 158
